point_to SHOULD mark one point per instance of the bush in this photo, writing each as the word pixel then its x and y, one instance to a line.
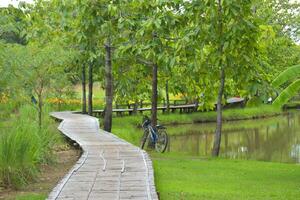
pixel 23 147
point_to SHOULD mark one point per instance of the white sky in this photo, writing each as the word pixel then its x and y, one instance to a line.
pixel 5 3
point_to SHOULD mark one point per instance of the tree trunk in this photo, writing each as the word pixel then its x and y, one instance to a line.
pixel 167 96
pixel 90 97
pixel 108 88
pixel 218 133
pixel 217 140
pixel 83 90
pixel 154 96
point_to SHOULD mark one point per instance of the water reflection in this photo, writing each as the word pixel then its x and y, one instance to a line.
pixel 274 139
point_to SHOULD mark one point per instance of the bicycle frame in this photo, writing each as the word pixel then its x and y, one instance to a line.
pixel 153 134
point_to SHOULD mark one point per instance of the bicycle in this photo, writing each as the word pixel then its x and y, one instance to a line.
pixel 158 136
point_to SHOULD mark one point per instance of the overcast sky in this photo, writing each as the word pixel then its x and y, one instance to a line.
pixel 5 3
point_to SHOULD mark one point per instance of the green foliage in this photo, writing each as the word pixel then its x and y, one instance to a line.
pixel 23 147
pixel 283 16
pixel 184 38
pixel 289 74
pixel 12 25
pixel 288 77
pixel 254 102
pixel 289 92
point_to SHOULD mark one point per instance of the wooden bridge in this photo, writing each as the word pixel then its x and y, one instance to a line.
pixel 179 105
pixel 119 111
pixel 109 168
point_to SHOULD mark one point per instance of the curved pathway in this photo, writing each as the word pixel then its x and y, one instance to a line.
pixel 109 168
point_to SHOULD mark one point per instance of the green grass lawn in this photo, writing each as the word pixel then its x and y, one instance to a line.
pixel 182 177
pixel 32 196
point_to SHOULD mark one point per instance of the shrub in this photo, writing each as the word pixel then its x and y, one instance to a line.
pixel 23 147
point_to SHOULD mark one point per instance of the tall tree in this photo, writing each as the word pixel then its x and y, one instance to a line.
pixel 222 37
pixel 233 36
pixel 220 46
pixel 152 23
pixel 108 87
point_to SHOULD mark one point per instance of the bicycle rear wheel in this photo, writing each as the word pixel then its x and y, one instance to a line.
pixel 162 141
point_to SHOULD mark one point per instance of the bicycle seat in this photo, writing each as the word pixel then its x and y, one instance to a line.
pixel 160 127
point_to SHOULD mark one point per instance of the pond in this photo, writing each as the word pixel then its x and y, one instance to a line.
pixel 272 139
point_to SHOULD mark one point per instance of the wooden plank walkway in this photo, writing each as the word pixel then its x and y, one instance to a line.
pixel 182 108
pixel 109 168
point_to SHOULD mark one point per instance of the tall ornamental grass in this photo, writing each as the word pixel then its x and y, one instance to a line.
pixel 24 147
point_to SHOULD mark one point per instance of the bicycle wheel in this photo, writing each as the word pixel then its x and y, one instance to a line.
pixel 144 139
pixel 162 141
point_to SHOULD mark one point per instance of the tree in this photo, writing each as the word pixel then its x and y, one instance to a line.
pixel 108 87
pixel 229 46
pixel 98 22
pixel 151 24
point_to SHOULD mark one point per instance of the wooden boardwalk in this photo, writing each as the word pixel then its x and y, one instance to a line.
pixel 109 168
pixel 182 109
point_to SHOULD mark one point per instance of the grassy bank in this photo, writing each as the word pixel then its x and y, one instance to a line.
pixel 228 115
pixel 182 177
pixel 210 116
pixel 125 127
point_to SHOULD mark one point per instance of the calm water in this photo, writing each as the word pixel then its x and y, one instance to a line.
pixel 273 139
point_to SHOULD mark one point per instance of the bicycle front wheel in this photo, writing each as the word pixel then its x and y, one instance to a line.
pixel 162 141
pixel 144 139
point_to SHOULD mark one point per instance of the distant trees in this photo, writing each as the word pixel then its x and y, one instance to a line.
pixel 12 25
pixel 36 70
pixel 33 66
